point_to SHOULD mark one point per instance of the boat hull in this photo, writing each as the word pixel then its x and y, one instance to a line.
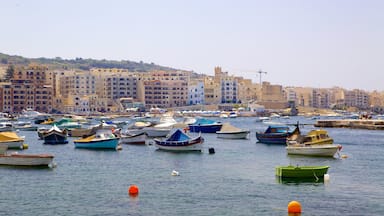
pixel 209 128
pixel 313 150
pixel 26 160
pixel 55 138
pixel 233 135
pixel 98 144
pixel 14 144
pixel 133 139
pixel 189 145
pixel 272 138
pixel 306 172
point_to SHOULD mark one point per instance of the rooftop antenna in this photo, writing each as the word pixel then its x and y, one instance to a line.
pixel 261 72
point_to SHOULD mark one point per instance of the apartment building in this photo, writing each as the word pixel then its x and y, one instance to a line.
pixel 196 92
pixel 29 89
pixel 357 98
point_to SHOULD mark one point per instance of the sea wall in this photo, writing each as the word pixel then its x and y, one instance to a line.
pixel 369 124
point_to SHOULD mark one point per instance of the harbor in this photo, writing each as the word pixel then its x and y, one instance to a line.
pixel 237 179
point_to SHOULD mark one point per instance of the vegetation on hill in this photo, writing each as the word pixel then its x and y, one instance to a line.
pixel 80 63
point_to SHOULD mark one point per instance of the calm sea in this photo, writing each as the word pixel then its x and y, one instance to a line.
pixel 239 179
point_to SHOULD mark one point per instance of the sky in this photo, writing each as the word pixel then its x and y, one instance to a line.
pixel 307 43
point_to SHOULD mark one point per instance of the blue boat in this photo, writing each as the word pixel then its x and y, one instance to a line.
pixel 55 136
pixel 180 141
pixel 275 134
pixel 103 139
pixel 205 126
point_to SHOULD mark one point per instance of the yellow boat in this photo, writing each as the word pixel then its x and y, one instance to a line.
pixel 11 139
pixel 313 137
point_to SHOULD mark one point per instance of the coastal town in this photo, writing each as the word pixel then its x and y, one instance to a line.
pixel 121 91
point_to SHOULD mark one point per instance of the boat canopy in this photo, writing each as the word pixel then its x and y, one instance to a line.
pixel 227 127
pixel 277 129
pixel 178 135
pixel 9 136
pixel 204 121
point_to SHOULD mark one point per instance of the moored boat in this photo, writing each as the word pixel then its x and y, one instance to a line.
pixel 11 139
pixel 131 138
pixel 304 172
pixel 274 134
pixel 324 150
pixel 55 136
pixel 228 131
pixel 103 139
pixel 180 141
pixel 16 159
pixel 205 126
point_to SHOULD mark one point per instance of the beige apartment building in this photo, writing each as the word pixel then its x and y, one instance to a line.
pixel 29 89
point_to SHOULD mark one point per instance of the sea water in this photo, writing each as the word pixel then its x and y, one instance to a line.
pixel 239 179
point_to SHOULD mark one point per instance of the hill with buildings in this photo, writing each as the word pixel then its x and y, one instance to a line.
pixel 81 63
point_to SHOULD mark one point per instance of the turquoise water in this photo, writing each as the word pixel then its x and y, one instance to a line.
pixel 239 179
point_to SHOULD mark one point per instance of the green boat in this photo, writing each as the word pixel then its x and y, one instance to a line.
pixel 307 172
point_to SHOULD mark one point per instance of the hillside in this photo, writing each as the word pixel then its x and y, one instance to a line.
pixel 81 64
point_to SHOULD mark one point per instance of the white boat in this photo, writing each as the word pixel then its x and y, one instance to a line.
pixel 16 159
pixel 320 150
pixel 131 138
pixel 228 131
pixel 6 126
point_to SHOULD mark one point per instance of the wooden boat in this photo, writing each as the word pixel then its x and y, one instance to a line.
pixel 302 172
pixel 55 136
pixel 180 141
pixel 274 134
pixel 323 150
pixel 16 159
pixel 131 138
pixel 228 131
pixel 103 139
pixel 315 143
pixel 11 139
pixel 205 126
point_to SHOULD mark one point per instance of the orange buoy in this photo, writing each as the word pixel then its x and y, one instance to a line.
pixel 133 190
pixel 294 207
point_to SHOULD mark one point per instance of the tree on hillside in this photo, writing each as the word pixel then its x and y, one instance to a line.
pixel 9 73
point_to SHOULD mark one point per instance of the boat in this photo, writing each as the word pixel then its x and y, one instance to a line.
pixel 323 150
pixel 16 159
pixel 55 136
pixel 301 172
pixel 179 141
pixel 11 139
pixel 274 134
pixel 232 115
pixel 6 126
pixel 204 125
pixel 103 139
pixel 315 143
pixel 228 131
pixel 133 138
pixel 313 137
pixel 24 126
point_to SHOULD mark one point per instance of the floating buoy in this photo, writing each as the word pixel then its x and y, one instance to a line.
pixel 326 177
pixel 294 207
pixel 24 146
pixel 344 156
pixel 52 165
pixel 133 190
pixel 211 151
pixel 175 173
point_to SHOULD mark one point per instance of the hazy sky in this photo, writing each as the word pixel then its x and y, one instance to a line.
pixel 322 43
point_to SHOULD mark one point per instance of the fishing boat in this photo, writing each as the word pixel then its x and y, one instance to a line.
pixel 133 138
pixel 228 131
pixel 301 172
pixel 103 139
pixel 274 134
pixel 324 150
pixel 11 139
pixel 204 125
pixel 179 141
pixel 16 159
pixel 315 143
pixel 55 136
